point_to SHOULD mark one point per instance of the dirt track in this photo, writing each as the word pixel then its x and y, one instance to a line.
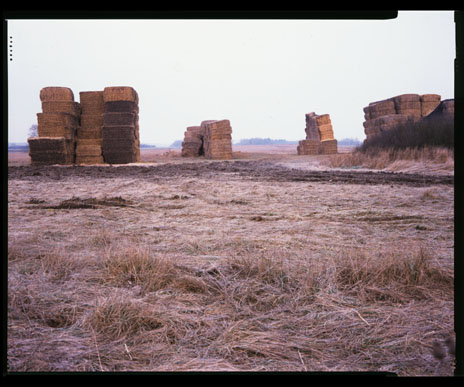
pixel 226 170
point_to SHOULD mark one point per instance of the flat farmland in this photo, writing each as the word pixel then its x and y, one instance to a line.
pixel 266 262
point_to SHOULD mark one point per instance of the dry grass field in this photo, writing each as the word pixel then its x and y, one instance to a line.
pixel 267 262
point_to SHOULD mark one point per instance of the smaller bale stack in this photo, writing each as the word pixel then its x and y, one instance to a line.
pixel 57 126
pixel 89 135
pixel 319 136
pixel 120 132
pixel 192 146
pixel 217 139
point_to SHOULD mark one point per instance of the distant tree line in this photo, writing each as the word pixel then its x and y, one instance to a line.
pixel 264 141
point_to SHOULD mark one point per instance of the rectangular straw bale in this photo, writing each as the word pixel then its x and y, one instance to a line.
pixel 88 150
pixel 89 121
pixel 88 141
pixel 57 119
pixel 119 119
pixel 121 107
pixel 430 98
pixel 56 131
pixel 120 158
pixel 328 147
pixel 91 102
pixel 118 132
pixel 55 93
pixel 89 133
pixel 313 133
pixel 415 105
pixel 38 144
pixel 118 146
pixel 119 93
pixel 323 119
pixel 413 113
pixel 69 107
pixel 386 104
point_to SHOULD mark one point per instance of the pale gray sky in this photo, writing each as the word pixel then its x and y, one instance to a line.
pixel 262 75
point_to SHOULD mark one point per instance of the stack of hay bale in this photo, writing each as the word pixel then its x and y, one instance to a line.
pixel 402 109
pixel 217 139
pixel 319 136
pixel 57 126
pixel 120 132
pixel 213 139
pixel 192 145
pixel 89 135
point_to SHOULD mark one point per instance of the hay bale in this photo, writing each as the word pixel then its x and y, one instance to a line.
pixel 308 147
pixel 51 150
pixel 89 133
pixel 121 107
pixel 70 107
pixel 120 158
pixel 54 93
pixel 430 98
pixel 89 121
pixel 118 132
pixel 88 141
pixel 117 146
pixel 91 102
pixel 57 120
pixel 119 119
pixel 328 147
pixel 217 139
pixel 88 150
pixel 325 132
pixel 119 93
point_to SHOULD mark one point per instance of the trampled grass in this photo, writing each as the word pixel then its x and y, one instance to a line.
pixel 229 274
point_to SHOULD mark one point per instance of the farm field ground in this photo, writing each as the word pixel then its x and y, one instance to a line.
pixel 266 262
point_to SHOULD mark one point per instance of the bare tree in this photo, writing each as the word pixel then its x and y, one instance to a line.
pixel 33 131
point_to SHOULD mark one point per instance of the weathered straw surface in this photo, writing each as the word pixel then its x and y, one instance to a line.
pixel 91 121
pixel 119 93
pixel 308 147
pixel 217 140
pixel 119 119
pixel 328 147
pixel 91 102
pixel 56 94
pixel 69 107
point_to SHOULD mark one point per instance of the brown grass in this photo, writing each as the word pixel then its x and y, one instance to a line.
pixel 395 160
pixel 184 277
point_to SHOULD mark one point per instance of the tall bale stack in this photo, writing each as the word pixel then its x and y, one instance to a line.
pixel 192 146
pixel 319 136
pixel 57 126
pixel 120 132
pixel 217 140
pixel 89 135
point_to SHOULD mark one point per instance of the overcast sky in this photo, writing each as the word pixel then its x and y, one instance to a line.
pixel 262 75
